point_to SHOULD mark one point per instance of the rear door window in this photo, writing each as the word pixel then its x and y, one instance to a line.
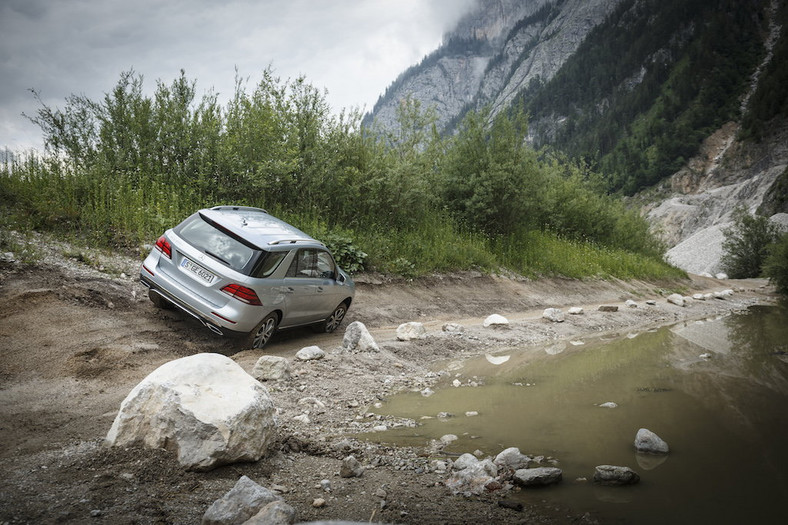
pixel 312 263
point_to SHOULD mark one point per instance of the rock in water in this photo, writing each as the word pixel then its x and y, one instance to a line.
pixel 612 475
pixel 204 407
pixel 648 442
pixel 534 477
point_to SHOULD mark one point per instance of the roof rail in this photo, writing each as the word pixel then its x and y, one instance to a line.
pixel 293 241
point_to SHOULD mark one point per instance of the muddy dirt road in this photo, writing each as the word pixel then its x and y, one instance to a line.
pixel 74 340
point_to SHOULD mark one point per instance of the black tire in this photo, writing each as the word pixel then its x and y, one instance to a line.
pixel 159 301
pixel 333 321
pixel 262 333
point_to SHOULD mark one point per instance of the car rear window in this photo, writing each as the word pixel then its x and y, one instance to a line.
pixel 216 243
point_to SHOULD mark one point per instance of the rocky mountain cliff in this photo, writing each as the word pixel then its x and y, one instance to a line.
pixel 493 54
pixel 634 87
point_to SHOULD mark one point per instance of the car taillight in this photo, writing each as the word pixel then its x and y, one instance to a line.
pixel 163 245
pixel 242 293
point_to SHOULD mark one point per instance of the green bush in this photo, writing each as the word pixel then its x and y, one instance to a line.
pixel 347 255
pixel 776 266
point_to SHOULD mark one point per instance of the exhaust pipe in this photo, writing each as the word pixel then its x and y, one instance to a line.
pixel 213 328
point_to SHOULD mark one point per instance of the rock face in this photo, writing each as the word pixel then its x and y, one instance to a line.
pixel 510 46
pixel 205 407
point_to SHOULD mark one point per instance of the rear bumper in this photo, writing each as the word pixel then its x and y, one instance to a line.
pixel 180 305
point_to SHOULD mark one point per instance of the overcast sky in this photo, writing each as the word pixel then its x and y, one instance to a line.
pixel 352 48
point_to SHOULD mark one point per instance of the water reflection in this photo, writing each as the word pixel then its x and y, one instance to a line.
pixel 715 390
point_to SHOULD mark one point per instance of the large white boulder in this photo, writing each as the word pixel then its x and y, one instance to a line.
pixel 358 339
pixel 205 407
pixel 495 320
pixel 412 330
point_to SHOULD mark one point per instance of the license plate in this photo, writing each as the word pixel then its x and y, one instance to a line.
pixel 197 270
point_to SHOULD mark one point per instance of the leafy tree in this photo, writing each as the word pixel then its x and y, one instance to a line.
pixel 746 243
pixel 491 181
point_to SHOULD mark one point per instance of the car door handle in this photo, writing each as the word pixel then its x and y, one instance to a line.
pixel 319 289
pixel 287 289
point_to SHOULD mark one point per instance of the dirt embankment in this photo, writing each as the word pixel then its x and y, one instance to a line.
pixel 74 341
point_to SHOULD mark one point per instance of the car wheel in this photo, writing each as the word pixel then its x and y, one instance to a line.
pixel 159 301
pixel 335 319
pixel 258 337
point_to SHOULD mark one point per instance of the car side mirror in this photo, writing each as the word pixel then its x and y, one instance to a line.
pixel 341 279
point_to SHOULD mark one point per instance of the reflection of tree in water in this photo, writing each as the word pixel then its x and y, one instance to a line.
pixel 759 342
pixel 762 329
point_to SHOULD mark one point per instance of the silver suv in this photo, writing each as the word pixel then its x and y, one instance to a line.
pixel 240 270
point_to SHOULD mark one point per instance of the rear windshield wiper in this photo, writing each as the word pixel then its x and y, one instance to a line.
pixel 217 257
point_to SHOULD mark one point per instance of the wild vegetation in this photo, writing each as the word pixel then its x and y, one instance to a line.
pixel 121 170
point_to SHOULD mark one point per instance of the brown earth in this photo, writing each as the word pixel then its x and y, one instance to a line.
pixel 74 340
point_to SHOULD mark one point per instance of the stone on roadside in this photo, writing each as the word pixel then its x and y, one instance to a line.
pixel 721 276
pixel 676 299
pixel 272 368
pixel 648 442
pixel 615 476
pixel 358 339
pixel 699 297
pixel 495 320
pixel 553 314
pixel 540 476
pixel 204 407
pixel 631 304
pixel 651 302
pixel 723 294
pixel 275 513
pixel 243 501
pixel 310 353
pixel 454 328
pixel 351 468
pixel 608 308
pixel 609 404
pixel 410 331
pixel 575 310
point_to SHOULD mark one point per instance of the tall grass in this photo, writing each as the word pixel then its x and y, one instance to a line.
pixel 113 212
